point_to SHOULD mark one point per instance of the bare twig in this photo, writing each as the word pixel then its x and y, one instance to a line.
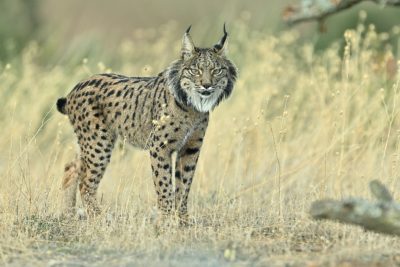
pixel 308 10
pixel 382 216
pixel 380 191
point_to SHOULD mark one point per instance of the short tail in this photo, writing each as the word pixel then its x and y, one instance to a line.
pixel 61 105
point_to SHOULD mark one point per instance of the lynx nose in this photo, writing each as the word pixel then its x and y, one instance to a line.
pixel 207 85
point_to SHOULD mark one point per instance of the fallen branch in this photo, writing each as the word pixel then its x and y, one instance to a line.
pixel 382 216
pixel 309 10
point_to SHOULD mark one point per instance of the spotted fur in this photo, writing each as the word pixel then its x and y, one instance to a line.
pixel 163 114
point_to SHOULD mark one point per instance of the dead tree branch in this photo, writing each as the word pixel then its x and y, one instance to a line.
pixel 382 216
pixel 308 10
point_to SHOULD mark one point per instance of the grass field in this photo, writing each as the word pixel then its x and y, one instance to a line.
pixel 300 126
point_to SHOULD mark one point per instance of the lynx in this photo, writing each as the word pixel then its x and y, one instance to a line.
pixel 164 114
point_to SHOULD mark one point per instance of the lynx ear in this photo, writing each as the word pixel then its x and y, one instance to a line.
pixel 188 48
pixel 222 46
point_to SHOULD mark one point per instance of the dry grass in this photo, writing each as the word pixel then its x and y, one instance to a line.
pixel 300 126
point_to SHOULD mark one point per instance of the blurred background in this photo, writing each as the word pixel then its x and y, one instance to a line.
pixel 98 27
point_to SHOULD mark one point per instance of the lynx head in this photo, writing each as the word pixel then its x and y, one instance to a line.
pixel 202 77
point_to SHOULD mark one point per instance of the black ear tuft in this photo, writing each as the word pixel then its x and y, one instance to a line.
pixel 188 47
pixel 219 47
pixel 225 33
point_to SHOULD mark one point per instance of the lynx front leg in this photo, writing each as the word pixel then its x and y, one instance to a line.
pixel 162 176
pixel 185 168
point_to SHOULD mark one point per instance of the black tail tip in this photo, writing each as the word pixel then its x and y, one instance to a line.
pixel 61 105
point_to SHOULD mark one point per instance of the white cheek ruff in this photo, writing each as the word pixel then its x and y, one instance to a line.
pixel 203 103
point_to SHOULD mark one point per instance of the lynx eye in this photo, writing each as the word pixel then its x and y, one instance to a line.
pixel 194 72
pixel 217 72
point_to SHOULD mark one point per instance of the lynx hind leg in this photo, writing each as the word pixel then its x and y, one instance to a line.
pixel 70 185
